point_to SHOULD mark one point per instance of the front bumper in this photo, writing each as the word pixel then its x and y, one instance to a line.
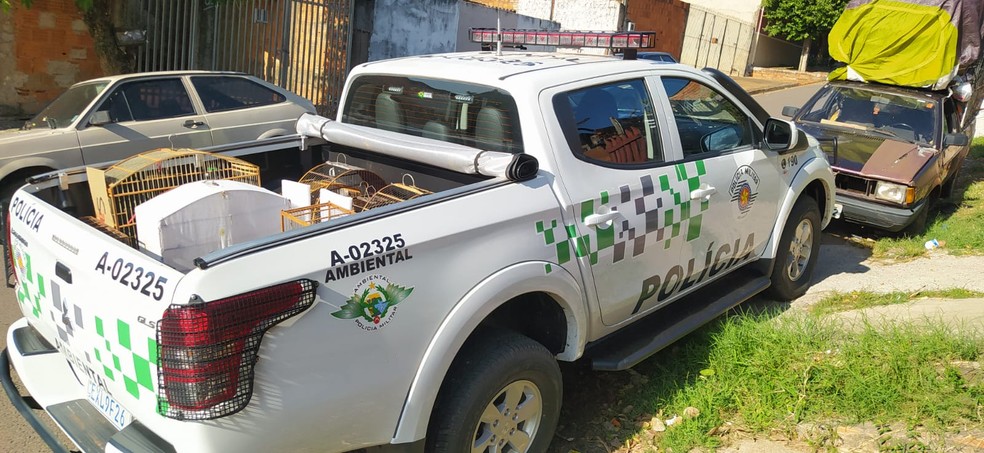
pixel 888 218
pixel 41 367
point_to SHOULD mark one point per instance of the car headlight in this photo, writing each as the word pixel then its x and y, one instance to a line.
pixel 895 193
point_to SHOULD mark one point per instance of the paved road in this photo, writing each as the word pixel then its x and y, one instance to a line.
pixel 774 101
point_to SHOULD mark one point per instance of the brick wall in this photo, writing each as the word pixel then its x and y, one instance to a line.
pixel 668 18
pixel 43 50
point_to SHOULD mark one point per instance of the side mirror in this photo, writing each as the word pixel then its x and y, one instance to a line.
pixel 955 140
pixel 780 135
pixel 790 111
pixel 99 118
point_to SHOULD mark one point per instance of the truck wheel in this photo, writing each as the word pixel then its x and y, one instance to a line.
pixel 919 224
pixel 503 394
pixel 797 253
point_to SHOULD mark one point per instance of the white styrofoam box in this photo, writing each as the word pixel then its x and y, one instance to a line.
pixel 197 218
pixel 298 193
pixel 342 201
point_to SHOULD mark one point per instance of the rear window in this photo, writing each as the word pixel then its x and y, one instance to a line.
pixel 220 94
pixel 454 112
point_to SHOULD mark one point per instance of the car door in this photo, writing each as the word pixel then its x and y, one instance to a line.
pixel 142 115
pixel 238 109
pixel 627 206
pixel 739 193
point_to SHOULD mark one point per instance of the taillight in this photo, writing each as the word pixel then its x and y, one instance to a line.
pixel 207 350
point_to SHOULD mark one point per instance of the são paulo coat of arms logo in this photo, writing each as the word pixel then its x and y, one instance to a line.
pixel 744 190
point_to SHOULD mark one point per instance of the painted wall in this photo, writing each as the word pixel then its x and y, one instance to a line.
pixel 745 10
pixel 404 27
pixel 596 15
pixel 43 50
pixel 413 27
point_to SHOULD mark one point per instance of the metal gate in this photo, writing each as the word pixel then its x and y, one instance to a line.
pixel 301 45
pixel 717 41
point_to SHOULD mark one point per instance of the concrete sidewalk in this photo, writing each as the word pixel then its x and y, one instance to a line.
pixel 761 85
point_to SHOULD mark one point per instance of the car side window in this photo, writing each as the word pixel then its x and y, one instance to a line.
pixel 612 123
pixel 706 120
pixel 220 94
pixel 148 100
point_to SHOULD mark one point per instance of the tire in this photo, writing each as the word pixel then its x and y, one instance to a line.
pixel 796 257
pixel 503 394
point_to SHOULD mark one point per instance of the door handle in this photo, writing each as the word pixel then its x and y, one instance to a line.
pixel 603 219
pixel 703 192
pixel 191 124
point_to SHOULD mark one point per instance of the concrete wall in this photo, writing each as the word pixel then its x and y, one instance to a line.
pixel 774 52
pixel 43 50
pixel 667 18
pixel 416 27
pixel 473 15
pixel 413 27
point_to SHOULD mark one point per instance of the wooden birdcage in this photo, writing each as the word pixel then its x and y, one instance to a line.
pixel 309 215
pixel 117 190
pixel 342 178
pixel 389 194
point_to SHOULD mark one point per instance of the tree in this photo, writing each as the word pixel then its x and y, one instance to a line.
pixel 801 20
pixel 96 15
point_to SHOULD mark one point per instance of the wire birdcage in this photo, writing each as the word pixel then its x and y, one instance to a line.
pixel 391 193
pixel 342 178
pixel 123 186
pixel 309 215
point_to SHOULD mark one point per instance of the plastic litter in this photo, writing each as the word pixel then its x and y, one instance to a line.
pixel 932 244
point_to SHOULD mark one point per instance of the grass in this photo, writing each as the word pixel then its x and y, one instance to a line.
pixel 761 375
pixel 854 300
pixel 958 224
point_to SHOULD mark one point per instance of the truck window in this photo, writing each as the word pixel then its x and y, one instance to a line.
pixel 706 120
pixel 454 112
pixel 612 123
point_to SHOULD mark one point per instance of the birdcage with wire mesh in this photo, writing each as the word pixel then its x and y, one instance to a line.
pixel 341 178
pixel 389 194
pixel 308 215
pixel 117 190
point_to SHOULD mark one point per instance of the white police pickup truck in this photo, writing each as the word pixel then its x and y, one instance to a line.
pixel 572 207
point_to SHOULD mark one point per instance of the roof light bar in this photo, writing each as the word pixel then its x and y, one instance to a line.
pixel 600 39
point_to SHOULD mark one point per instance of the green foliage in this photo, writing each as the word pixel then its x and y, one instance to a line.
pixel 796 20
pixel 854 300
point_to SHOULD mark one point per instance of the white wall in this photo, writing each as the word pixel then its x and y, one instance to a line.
pixel 586 15
pixel 746 10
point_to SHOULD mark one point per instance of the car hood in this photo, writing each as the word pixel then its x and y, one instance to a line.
pixel 874 157
pixel 13 136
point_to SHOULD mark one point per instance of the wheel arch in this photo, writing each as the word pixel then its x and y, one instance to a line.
pixel 274 133
pixel 557 296
pixel 814 181
pixel 15 173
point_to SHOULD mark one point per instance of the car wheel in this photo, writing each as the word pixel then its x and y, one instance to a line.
pixel 503 394
pixel 799 246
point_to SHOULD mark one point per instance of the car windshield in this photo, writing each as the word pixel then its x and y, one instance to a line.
pixel 66 108
pixel 907 118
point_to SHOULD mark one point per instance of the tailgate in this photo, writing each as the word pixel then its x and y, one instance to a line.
pixel 96 299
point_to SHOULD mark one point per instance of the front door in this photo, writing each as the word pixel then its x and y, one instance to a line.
pixel 739 193
pixel 629 204
pixel 144 115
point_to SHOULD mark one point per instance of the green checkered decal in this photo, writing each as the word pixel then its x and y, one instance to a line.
pixel 665 215
pixel 32 289
pixel 121 359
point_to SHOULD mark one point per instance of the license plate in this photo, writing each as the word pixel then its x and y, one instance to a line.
pixel 838 208
pixel 108 406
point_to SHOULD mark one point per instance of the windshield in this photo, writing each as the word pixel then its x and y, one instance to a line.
pixel 66 108
pixel 907 118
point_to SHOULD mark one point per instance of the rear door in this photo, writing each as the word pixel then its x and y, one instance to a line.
pixel 238 109
pixel 144 115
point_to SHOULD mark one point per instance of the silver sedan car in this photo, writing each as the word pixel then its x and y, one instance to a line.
pixel 111 118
